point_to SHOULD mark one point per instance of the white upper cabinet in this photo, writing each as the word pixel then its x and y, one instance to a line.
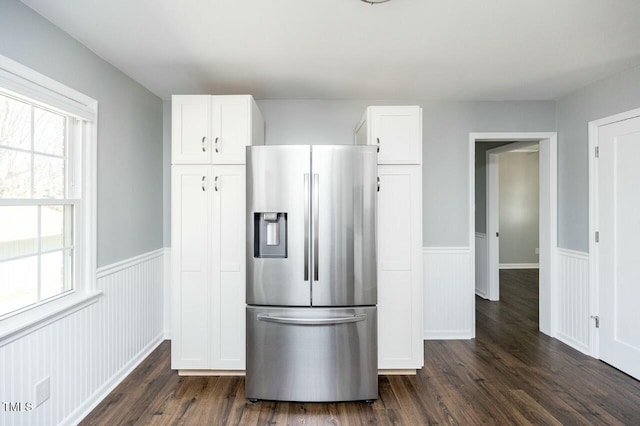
pixel 237 123
pixel 214 129
pixel 191 129
pixel 396 130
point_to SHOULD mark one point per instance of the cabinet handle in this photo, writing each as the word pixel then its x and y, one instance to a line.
pixel 203 148
pixel 378 140
pixel 378 183
pixel 215 144
pixel 203 178
pixel 215 183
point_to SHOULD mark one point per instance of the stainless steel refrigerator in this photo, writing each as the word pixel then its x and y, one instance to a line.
pixel 311 273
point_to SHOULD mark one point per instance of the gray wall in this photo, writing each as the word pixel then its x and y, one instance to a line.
pixel 610 96
pixel 519 211
pixel 446 128
pixel 130 192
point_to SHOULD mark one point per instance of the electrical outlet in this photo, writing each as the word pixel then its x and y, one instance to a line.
pixel 537 250
pixel 43 391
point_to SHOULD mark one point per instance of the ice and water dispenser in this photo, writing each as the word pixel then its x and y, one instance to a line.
pixel 270 231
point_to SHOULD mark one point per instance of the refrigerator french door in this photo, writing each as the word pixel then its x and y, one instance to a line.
pixel 311 273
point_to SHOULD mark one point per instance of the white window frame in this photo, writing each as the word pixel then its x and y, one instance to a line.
pixel 23 82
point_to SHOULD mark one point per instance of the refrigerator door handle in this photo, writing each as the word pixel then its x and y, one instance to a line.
pixel 311 321
pixel 316 208
pixel 307 201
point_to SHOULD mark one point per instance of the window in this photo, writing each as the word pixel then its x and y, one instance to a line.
pixel 38 202
pixel 47 181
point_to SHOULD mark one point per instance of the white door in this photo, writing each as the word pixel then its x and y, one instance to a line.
pixel 229 259
pixel 619 234
pixel 231 128
pixel 190 266
pixel 191 129
pixel 400 343
pixel 397 132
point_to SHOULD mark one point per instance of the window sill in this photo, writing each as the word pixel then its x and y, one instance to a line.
pixel 20 325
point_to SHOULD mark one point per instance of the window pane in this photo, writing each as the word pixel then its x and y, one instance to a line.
pixel 49 177
pixel 15 123
pixel 51 270
pixel 52 227
pixel 18 231
pixel 15 174
pixel 18 284
pixel 48 130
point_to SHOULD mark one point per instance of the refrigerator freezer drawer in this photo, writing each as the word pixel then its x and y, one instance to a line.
pixel 312 354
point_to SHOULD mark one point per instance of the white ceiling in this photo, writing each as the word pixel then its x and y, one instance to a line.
pixel 346 49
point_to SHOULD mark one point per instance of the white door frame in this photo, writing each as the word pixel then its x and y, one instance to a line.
pixel 548 216
pixel 594 220
pixel 493 216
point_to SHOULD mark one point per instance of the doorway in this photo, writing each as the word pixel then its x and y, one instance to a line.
pixel 547 213
pixel 512 210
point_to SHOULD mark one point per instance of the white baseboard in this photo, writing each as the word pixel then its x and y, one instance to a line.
pixel 481 294
pixel 92 402
pixel 519 266
pixel 573 343
pixel 448 335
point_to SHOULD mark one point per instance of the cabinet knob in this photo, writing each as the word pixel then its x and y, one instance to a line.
pixel 215 183
pixel 203 148
pixel 203 178
pixel 378 141
pixel 215 144
pixel 378 183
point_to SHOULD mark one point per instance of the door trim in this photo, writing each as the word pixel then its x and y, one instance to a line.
pixel 548 217
pixel 594 220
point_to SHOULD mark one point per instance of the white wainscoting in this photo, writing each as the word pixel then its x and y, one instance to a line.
pixel 88 352
pixel 573 299
pixel 482 266
pixel 448 293
pixel 166 306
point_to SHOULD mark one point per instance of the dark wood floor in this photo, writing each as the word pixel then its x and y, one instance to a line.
pixel 510 374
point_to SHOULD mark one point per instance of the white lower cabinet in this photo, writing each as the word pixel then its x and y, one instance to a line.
pixel 208 267
pixel 229 230
pixel 400 340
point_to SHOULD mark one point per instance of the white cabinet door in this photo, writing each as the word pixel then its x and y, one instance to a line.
pixel 190 266
pixel 400 340
pixel 231 128
pixel 397 131
pixel 191 129
pixel 229 254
